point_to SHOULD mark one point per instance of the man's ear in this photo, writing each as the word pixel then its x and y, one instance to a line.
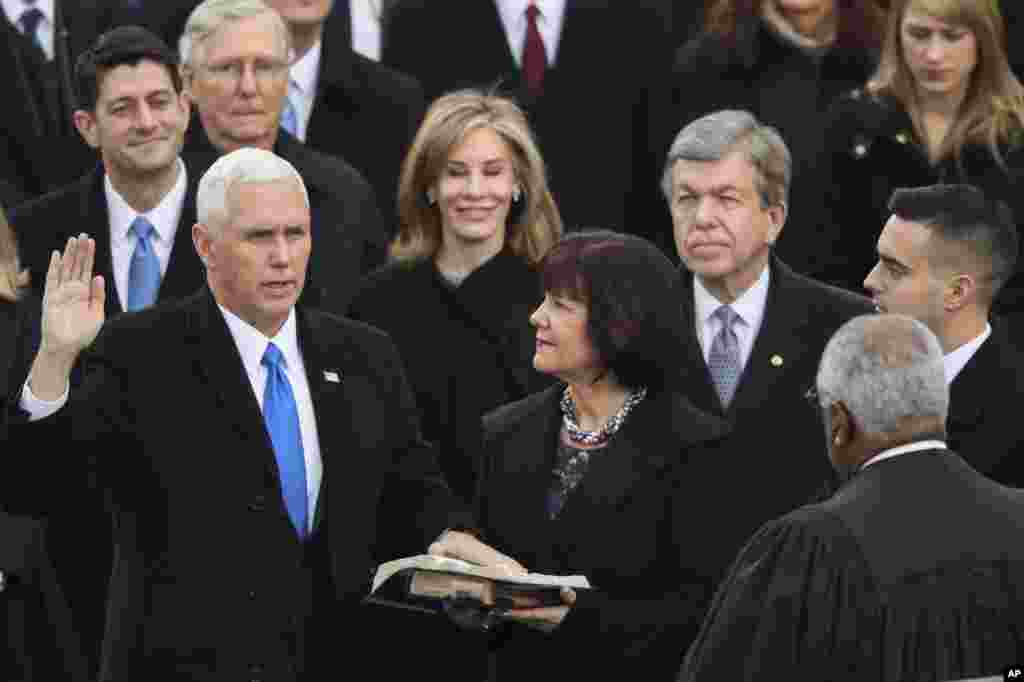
pixel 777 216
pixel 841 425
pixel 960 290
pixel 203 242
pixel 85 123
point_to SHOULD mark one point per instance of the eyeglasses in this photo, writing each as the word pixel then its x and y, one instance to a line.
pixel 229 74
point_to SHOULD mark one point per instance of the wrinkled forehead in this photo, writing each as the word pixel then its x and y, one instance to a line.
pixel 255 36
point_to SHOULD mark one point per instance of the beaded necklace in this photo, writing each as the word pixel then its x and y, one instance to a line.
pixel 601 436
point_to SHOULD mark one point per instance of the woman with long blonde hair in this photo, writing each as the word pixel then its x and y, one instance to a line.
pixel 943 106
pixel 476 218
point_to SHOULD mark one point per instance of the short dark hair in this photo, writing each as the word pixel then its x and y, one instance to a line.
pixel 962 215
pixel 634 319
pixel 119 46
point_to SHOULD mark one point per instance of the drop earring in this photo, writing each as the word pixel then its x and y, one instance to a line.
pixel 516 195
pixel 430 197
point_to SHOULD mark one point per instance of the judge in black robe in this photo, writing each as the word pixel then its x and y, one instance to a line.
pixel 913 570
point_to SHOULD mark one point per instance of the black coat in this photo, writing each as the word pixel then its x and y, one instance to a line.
pixel 594 104
pixel 984 402
pixel 366 114
pixel 800 317
pixel 634 526
pixel 784 88
pixel 913 571
pixel 40 150
pixel 37 640
pixel 466 350
pixel 349 234
pixel 209 580
pixel 871 150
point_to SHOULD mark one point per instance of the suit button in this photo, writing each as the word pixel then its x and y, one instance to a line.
pixel 259 504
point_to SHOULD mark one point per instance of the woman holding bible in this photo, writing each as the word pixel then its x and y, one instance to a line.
pixel 589 476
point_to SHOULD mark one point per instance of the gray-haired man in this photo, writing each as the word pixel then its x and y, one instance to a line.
pixel 914 570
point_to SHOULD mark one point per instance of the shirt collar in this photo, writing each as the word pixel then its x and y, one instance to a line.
pixel 513 11
pixel 303 72
pixel 955 361
pixel 749 306
pixel 252 343
pixel 15 8
pixel 919 446
pixel 164 216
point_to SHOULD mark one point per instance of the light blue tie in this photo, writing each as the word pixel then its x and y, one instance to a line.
pixel 724 358
pixel 289 119
pixel 282 420
pixel 144 271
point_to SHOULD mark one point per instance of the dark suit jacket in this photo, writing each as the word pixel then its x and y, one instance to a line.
pixel 349 234
pixel 40 150
pixel 984 406
pixel 913 571
pixel 209 579
pixel 799 318
pixel 46 224
pixel 37 640
pixel 367 114
pixel 632 526
pixel 594 102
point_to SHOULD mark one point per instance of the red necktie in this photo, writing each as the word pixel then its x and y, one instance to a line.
pixel 535 58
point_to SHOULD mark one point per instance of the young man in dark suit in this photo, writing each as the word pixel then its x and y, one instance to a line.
pixel 133 113
pixel 942 258
pixel 579 70
pixel 346 104
pixel 914 570
pixel 756 329
pixel 245 464
pixel 235 61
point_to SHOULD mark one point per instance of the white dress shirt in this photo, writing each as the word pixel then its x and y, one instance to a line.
pixel 44 33
pixel 749 306
pixel 366 27
pixel 953 362
pixel 252 344
pixel 302 88
pixel 164 218
pixel 904 449
pixel 549 24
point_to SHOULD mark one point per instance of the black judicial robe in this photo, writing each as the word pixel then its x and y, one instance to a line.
pixel 914 570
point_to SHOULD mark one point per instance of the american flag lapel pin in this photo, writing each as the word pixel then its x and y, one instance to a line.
pixel 332 376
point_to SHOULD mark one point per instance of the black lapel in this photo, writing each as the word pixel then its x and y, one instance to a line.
pixel 696 380
pixel 185 271
pixel 334 101
pixel 96 216
pixel 974 386
pixel 218 366
pixel 338 26
pixel 326 368
pixel 779 344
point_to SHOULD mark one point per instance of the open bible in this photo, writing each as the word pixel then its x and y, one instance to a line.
pixel 428 583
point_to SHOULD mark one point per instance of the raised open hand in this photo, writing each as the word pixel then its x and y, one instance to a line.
pixel 73 300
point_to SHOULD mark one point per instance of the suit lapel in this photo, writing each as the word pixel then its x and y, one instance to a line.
pixel 218 366
pixel 972 388
pixel 95 214
pixel 184 269
pixel 334 83
pixel 779 346
pixel 696 377
pixel 328 387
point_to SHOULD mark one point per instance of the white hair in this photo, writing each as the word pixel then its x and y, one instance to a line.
pixel 884 368
pixel 244 165
pixel 209 16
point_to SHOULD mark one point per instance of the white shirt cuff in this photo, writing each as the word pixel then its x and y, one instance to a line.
pixel 38 408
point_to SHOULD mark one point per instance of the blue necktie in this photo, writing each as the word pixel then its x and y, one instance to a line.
pixel 282 420
pixel 144 271
pixel 724 358
pixel 289 119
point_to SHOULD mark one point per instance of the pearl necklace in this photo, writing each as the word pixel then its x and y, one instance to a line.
pixel 601 436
